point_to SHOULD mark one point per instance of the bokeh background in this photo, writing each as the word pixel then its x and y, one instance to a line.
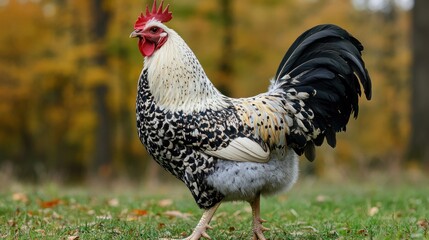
pixel 68 76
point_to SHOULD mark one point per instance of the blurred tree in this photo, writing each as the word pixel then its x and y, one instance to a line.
pixel 101 165
pixel 226 61
pixel 418 149
pixel 68 76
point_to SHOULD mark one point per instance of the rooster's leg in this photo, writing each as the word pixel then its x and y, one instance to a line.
pixel 203 224
pixel 257 227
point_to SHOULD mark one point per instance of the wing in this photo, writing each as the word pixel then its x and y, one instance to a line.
pixel 242 149
pixel 221 133
pixel 315 91
pixel 270 117
pixel 266 119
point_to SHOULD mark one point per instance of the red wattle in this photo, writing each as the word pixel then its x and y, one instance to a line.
pixel 146 47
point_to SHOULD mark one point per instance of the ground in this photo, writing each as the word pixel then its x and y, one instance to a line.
pixel 313 209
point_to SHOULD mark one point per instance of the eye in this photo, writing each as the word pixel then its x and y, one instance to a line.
pixel 154 29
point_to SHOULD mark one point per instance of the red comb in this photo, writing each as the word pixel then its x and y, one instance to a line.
pixel 157 14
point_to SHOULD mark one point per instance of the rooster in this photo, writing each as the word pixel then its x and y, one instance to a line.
pixel 227 149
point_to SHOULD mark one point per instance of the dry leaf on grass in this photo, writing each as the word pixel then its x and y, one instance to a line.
pixel 363 232
pixel 161 225
pixel 372 211
pixel 55 215
pixel 321 198
pixel 49 204
pixel 139 212
pixel 11 223
pixel 165 202
pixel 177 214
pixel 423 223
pixel 20 197
pixel 136 214
pixel 114 202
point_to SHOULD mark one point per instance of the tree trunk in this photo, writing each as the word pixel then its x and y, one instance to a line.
pixel 101 165
pixel 226 60
pixel 418 149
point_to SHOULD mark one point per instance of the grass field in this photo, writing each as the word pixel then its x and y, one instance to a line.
pixel 311 210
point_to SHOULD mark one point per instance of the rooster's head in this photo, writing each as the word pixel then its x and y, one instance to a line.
pixel 149 29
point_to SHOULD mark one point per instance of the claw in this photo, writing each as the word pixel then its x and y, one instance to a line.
pixel 258 230
pixel 264 229
pixel 204 234
pixel 203 225
pixel 199 232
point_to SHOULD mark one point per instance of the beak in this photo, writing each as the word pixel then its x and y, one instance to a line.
pixel 135 33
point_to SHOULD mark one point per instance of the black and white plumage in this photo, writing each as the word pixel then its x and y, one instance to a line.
pixel 236 149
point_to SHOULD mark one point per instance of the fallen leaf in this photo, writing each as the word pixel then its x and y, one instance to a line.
pixel 139 212
pixel 55 215
pixel 363 232
pixel 423 223
pixel 20 197
pixel 372 211
pixel 114 202
pixel 11 223
pixel 165 202
pixel 132 218
pixel 321 198
pixel 161 225
pixel 73 237
pixel 49 204
pixel 177 214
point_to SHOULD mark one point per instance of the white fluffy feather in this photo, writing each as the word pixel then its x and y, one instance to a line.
pixel 243 180
pixel 177 79
pixel 242 150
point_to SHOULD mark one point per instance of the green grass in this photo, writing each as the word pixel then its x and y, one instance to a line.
pixel 311 210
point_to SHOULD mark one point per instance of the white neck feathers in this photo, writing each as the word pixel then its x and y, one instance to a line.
pixel 177 81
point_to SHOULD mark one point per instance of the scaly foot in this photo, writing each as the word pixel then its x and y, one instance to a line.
pixel 203 224
pixel 257 228
pixel 199 232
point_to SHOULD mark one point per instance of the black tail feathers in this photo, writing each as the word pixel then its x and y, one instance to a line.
pixel 325 62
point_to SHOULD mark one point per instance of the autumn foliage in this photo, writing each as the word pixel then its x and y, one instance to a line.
pixel 69 71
